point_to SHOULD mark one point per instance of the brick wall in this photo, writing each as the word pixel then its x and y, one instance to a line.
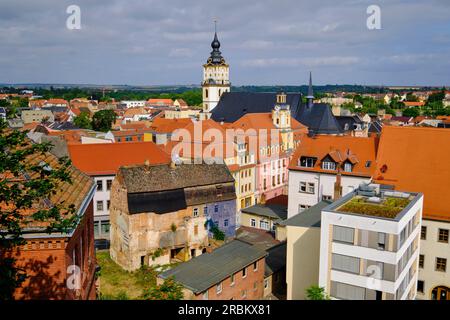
pixel 45 261
pixel 241 284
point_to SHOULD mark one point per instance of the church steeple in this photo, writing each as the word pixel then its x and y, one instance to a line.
pixel 310 96
pixel 215 76
pixel 216 55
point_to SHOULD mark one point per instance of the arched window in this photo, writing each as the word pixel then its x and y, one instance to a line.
pixel 206 93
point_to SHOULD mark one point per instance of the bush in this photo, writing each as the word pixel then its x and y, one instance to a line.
pixel 168 290
pixel 316 293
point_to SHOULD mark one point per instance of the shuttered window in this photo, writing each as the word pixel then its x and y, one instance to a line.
pixel 345 263
pixel 343 234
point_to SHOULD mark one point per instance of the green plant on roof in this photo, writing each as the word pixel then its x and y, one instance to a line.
pixel 168 290
pixel 389 208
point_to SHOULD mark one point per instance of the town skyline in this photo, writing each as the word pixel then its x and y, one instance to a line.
pixel 154 43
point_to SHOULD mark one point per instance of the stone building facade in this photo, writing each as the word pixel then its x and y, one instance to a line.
pixel 157 212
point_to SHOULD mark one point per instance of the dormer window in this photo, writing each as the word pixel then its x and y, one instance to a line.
pixel 307 162
pixel 348 167
pixel 328 165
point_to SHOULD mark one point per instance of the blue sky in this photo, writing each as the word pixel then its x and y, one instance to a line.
pixel 276 42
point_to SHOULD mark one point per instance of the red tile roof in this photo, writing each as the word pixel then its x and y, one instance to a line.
pixel 357 150
pixel 415 159
pixel 106 158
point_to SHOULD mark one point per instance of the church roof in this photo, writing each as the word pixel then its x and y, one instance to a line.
pixel 233 105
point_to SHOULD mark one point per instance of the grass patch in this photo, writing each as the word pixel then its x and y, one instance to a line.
pixel 389 208
pixel 119 284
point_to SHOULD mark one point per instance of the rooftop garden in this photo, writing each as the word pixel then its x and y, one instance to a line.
pixel 389 207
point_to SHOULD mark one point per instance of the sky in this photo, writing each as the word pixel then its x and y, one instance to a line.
pixel 265 42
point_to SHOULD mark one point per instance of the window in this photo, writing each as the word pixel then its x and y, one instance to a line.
pixel 205 211
pixel 420 286
pixel 328 165
pixel 255 286
pixel 108 184
pixel 307 162
pixel 302 207
pixel 216 208
pixel 324 197
pixel 244 293
pixel 368 163
pixel 205 295
pixel 264 225
pixel 225 223
pixel 310 187
pixel 108 204
pixel 443 235
pixel 232 280
pixel 255 266
pixel 421 261
pixel 99 185
pixel 244 272
pixel 253 223
pixel 346 291
pixel 441 264
pixel 348 167
pixel 219 288
pixel 423 233
pixel 302 186
pixel 105 227
pixel 345 263
pixel 343 234
pixel 381 240
pixel 195 212
pixel 100 205
pixel 266 283
pixel 196 230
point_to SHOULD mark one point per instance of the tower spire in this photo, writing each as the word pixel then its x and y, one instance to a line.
pixel 310 96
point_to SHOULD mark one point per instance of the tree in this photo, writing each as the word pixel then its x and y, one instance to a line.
pixel 316 293
pixel 24 183
pixel 103 120
pixel 82 121
pixel 168 290
pixel 411 112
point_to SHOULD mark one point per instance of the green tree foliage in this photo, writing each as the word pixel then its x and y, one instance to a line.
pixel 82 121
pixel 19 192
pixel 316 293
pixel 411 112
pixel 103 120
pixel 436 97
pixel 411 97
pixel 217 233
pixel 168 290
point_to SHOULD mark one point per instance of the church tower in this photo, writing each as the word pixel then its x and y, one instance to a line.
pixel 215 77
pixel 281 117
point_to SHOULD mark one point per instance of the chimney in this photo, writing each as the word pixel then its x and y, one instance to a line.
pixel 337 187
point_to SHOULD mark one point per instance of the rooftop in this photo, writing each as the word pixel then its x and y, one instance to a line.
pixel 106 158
pixel 414 159
pixel 308 218
pixel 273 211
pixel 373 200
pixel 209 269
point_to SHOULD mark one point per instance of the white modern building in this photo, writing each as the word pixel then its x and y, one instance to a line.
pixel 369 245
pixel 132 103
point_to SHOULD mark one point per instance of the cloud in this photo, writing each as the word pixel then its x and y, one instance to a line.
pixel 265 42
